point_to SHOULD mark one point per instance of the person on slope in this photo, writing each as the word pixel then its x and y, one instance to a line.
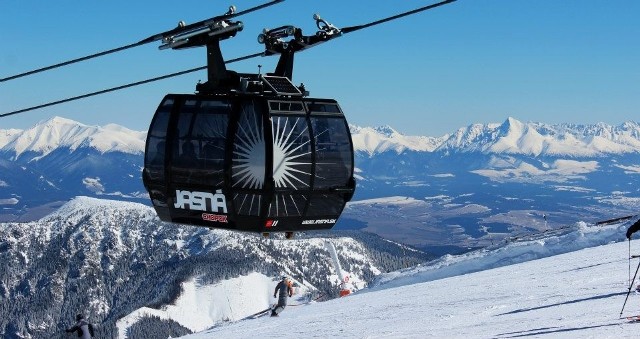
pixel 285 290
pixel 634 228
pixel 82 327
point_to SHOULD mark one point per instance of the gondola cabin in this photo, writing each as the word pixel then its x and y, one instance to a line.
pixel 248 152
pixel 260 163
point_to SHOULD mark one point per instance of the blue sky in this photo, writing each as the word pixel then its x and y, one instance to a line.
pixel 472 61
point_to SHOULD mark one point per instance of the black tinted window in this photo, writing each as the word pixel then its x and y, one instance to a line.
pixel 199 147
pixel 333 152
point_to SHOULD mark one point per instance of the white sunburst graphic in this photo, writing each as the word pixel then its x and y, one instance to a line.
pixel 291 152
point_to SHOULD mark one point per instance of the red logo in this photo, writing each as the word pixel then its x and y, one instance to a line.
pixel 214 217
pixel 271 223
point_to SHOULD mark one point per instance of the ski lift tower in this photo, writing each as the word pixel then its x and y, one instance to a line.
pixel 345 285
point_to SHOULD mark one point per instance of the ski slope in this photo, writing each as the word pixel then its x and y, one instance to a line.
pixel 569 285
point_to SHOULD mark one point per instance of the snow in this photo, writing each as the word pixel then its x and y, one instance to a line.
pixel 630 169
pixel 10 201
pixel 178 244
pixel 395 200
pixel 49 135
pixel 573 189
pixel 199 306
pixel 385 138
pixel 570 285
pixel 93 185
pixel 438 197
pixel 443 175
pixel 7 135
pixel 618 200
pixel 559 171
pixel 535 139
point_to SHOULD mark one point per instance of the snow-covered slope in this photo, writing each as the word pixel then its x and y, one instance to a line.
pixel 575 289
pixel 8 135
pixel 199 305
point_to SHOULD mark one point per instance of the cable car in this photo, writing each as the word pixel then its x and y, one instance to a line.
pixel 249 152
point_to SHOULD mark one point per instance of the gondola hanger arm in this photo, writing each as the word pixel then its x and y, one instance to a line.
pixel 273 39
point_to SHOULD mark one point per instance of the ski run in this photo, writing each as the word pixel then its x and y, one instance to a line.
pixel 569 285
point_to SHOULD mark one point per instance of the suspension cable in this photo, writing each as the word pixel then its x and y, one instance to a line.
pixel 113 89
pixel 160 36
pixel 119 49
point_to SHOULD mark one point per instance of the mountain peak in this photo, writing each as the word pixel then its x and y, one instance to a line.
pixel 385 138
pixel 57 132
pixel 512 120
pixel 386 130
pixel 57 121
pixel 512 125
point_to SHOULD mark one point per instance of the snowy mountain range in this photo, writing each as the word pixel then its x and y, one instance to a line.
pixel 56 133
pixel 116 262
pixel 510 137
pixel 473 187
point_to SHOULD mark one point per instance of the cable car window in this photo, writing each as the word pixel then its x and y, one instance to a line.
pixel 190 104
pixel 333 152
pixel 325 204
pixel 324 107
pixel 185 151
pixel 210 130
pixel 184 124
pixel 161 120
pixel 156 148
pixel 286 106
pixel 292 161
pixel 156 143
pixel 154 171
pixel 212 124
pixel 287 205
pixel 215 106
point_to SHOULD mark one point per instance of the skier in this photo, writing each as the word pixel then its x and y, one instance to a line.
pixel 83 327
pixel 285 289
pixel 634 228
